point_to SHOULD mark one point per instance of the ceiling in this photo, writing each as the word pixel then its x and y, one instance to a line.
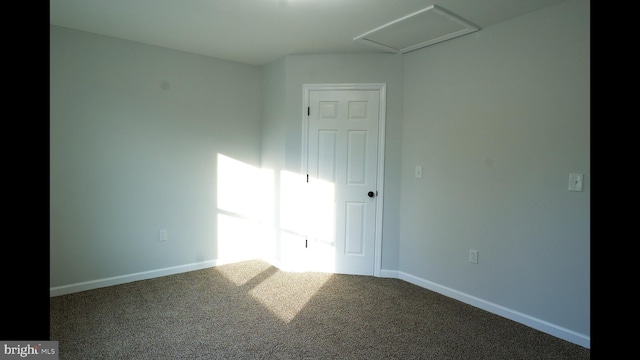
pixel 257 32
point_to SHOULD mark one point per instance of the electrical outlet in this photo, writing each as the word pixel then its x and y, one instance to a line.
pixel 473 256
pixel 162 235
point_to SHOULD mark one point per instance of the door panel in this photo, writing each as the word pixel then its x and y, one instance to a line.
pixel 354 228
pixel 342 159
pixel 327 157
pixel 357 157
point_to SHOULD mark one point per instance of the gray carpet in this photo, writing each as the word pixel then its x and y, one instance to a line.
pixel 252 310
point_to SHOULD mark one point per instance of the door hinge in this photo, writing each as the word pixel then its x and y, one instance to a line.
pixel 307 177
pixel 308 110
pixel 305 243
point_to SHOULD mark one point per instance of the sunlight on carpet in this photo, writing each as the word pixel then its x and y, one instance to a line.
pixel 240 273
pixel 275 291
pixel 281 299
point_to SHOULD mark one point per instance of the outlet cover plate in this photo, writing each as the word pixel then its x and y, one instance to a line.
pixel 473 256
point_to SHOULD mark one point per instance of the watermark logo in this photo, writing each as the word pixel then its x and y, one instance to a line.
pixel 29 350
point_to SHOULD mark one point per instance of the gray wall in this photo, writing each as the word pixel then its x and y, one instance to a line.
pixel 498 119
pixel 134 135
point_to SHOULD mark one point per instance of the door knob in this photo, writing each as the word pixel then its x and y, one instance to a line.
pixel 371 194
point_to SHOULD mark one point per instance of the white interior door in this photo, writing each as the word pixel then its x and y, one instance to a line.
pixel 343 163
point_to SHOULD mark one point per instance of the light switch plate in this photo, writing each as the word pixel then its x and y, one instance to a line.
pixel 418 171
pixel 575 182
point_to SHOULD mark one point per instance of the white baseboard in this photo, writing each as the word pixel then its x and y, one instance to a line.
pixel 123 279
pixel 117 280
pixel 394 274
pixel 530 321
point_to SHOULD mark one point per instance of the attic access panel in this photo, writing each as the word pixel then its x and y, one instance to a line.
pixel 422 28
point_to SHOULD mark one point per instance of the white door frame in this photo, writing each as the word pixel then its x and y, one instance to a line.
pixel 382 90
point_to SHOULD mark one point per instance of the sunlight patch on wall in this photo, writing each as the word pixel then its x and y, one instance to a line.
pixel 307 223
pixel 244 189
pixel 293 221
pixel 321 226
pixel 304 236
pixel 245 209
pixel 293 202
pixel 321 209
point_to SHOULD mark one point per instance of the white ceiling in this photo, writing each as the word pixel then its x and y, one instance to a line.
pixel 257 32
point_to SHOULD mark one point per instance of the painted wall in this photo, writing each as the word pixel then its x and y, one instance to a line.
pixel 135 136
pixel 498 119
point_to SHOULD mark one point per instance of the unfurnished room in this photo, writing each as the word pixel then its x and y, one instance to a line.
pixel 319 179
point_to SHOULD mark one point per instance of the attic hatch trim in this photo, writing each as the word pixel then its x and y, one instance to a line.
pixel 467 28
